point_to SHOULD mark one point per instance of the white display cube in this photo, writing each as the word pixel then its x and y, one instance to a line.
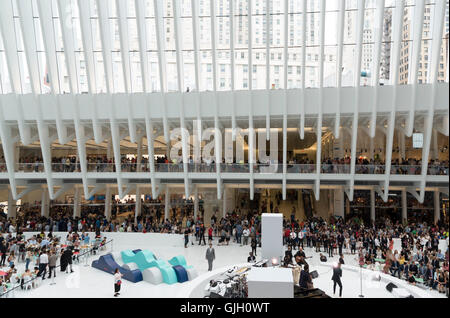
pixel 270 282
pixel 272 236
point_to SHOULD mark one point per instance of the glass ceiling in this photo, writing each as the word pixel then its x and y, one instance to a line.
pixel 118 46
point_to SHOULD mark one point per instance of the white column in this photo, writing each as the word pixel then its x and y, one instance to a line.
pixel 16 155
pixel 371 146
pixel 401 143
pixel 12 208
pixel 166 203
pixel 404 207
pixel 137 210
pixel 195 202
pixel 139 154
pixel 77 203
pixel 437 208
pixel 45 211
pixel 339 208
pixel 372 205
pixel 224 198
pixel 109 149
pixel 108 203
pixel 435 149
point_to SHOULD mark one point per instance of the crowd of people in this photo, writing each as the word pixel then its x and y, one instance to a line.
pixel 40 255
pixel 420 261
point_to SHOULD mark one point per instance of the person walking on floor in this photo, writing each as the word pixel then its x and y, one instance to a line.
pixel 210 256
pixel 117 282
pixel 43 262
pixel 336 278
pixel 52 264
pixel 202 235
pixel 253 245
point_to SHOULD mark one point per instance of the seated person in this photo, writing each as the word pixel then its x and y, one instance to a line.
pixel 323 258
pixel 251 258
pixel 411 279
pixel 287 260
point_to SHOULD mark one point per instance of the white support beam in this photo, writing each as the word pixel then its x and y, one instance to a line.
pixel 395 61
pixel 45 203
pixel 7 29
pixel 251 131
pixel 160 42
pixel 217 133
pixel 417 30
pixel 180 78
pixel 372 206
pixel 48 35
pixel 340 54
pixel 285 107
pixel 8 151
pixel 320 115
pixel 29 41
pixel 151 153
pixel 77 203
pixel 166 202
pixel 108 196
pixel 379 18
pixel 303 57
pixel 437 208
pixel 27 190
pixel 357 83
pixel 439 14
pixel 87 39
pixel 143 47
pixel 63 189
pixel 138 207
pixel 122 13
pixel 232 66
pixel 12 206
pixel 97 189
pixel 443 128
pixel 197 65
pixel 268 31
pixel 69 54
pixel 404 207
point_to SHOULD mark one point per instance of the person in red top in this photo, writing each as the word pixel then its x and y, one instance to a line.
pixel 210 233
pixel 287 233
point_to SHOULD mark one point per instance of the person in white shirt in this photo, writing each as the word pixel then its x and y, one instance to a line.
pixel 43 262
pixel 117 282
pixel 246 234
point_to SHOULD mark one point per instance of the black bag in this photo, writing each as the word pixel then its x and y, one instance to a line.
pixel 390 286
pixel 314 274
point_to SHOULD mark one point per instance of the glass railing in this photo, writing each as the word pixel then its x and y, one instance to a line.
pixel 233 168
pixel 101 167
pixel 301 168
pixel 30 167
pixel 62 167
pixel 368 169
pixel 335 169
pixel 436 170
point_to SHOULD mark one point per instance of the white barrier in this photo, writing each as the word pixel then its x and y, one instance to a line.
pixel 126 238
pixel 398 245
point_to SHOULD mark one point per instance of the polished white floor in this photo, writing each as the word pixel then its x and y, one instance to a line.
pixel 91 283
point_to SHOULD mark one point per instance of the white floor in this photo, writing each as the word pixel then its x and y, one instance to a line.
pixel 91 283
